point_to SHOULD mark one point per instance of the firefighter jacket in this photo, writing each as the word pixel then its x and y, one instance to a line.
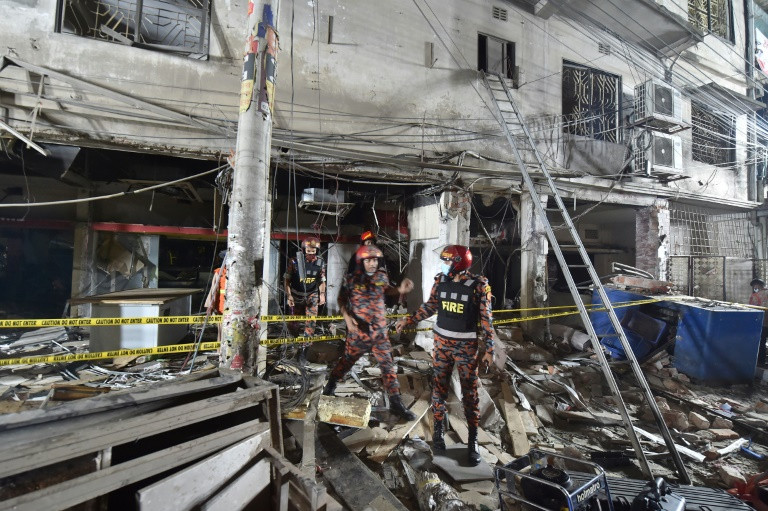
pixel 463 308
pixel 314 275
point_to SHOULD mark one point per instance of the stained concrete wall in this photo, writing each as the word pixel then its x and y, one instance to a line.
pixel 368 73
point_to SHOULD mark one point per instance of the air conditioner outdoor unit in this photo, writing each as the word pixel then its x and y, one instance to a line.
pixel 658 104
pixel 658 154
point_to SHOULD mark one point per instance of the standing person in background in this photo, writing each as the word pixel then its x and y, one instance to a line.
pixel 362 304
pixel 462 302
pixel 759 297
pixel 305 288
pixel 366 240
pixel 215 302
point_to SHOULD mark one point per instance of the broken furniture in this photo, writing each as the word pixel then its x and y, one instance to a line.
pixel 217 442
pixel 715 342
pixel 138 303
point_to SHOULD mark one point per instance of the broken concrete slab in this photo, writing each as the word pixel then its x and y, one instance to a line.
pixel 455 463
pixel 730 475
pixel 698 421
pixel 478 501
pixel 724 434
pixel 484 487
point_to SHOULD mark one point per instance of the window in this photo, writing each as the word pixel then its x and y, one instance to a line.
pixel 711 16
pixel 178 26
pixel 495 56
pixel 591 106
pixel 712 136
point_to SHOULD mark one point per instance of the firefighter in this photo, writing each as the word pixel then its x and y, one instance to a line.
pixel 361 299
pixel 305 288
pixel 462 302
pixel 215 301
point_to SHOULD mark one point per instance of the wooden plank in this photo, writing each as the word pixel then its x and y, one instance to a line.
pixel 503 456
pixel 400 431
pixel 113 400
pixel 87 487
pixel 32 454
pixel 202 479
pixel 361 438
pixel 306 494
pixel 352 481
pixel 515 428
pixel 529 422
pixel 310 426
pixel 242 490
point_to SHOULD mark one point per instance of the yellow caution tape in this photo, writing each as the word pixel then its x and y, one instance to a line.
pixel 300 340
pixel 52 359
pixel 165 320
pixel 191 320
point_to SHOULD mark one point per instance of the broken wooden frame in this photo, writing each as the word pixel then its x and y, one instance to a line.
pixel 111 443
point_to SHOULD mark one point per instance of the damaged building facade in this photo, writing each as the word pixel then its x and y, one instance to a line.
pixel 646 115
pixel 119 123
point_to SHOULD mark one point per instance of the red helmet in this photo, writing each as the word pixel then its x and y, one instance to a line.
pixel 367 235
pixel 459 256
pixel 310 242
pixel 368 252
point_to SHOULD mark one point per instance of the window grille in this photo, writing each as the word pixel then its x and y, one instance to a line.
pixel 499 13
pixel 713 136
pixel 704 232
pixel 179 26
pixel 591 106
pixel 711 16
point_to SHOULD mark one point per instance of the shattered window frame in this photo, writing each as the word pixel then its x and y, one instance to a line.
pixel 712 136
pixel 506 64
pixel 712 16
pixel 175 26
pixel 593 107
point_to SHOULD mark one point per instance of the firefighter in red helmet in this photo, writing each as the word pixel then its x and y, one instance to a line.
pixel 361 299
pixel 462 302
pixel 305 287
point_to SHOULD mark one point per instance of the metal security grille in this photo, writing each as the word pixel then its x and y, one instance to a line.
pixel 700 232
pixel 716 278
pixel 712 16
pixel 713 136
pixel 591 102
pixel 179 26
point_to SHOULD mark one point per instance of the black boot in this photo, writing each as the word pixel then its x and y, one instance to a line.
pixel 396 406
pixel 473 450
pixel 330 387
pixel 438 442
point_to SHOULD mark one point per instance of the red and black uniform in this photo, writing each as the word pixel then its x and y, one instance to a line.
pixel 363 297
pixel 305 291
pixel 463 313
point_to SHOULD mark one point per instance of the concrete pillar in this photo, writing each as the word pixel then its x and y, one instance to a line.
pixel 652 243
pixel 337 259
pixel 250 206
pixel 434 224
pixel 83 257
pixel 533 261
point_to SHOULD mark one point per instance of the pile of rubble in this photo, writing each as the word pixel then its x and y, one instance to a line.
pixel 555 400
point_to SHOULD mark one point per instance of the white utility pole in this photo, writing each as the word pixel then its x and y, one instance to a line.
pixel 249 208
